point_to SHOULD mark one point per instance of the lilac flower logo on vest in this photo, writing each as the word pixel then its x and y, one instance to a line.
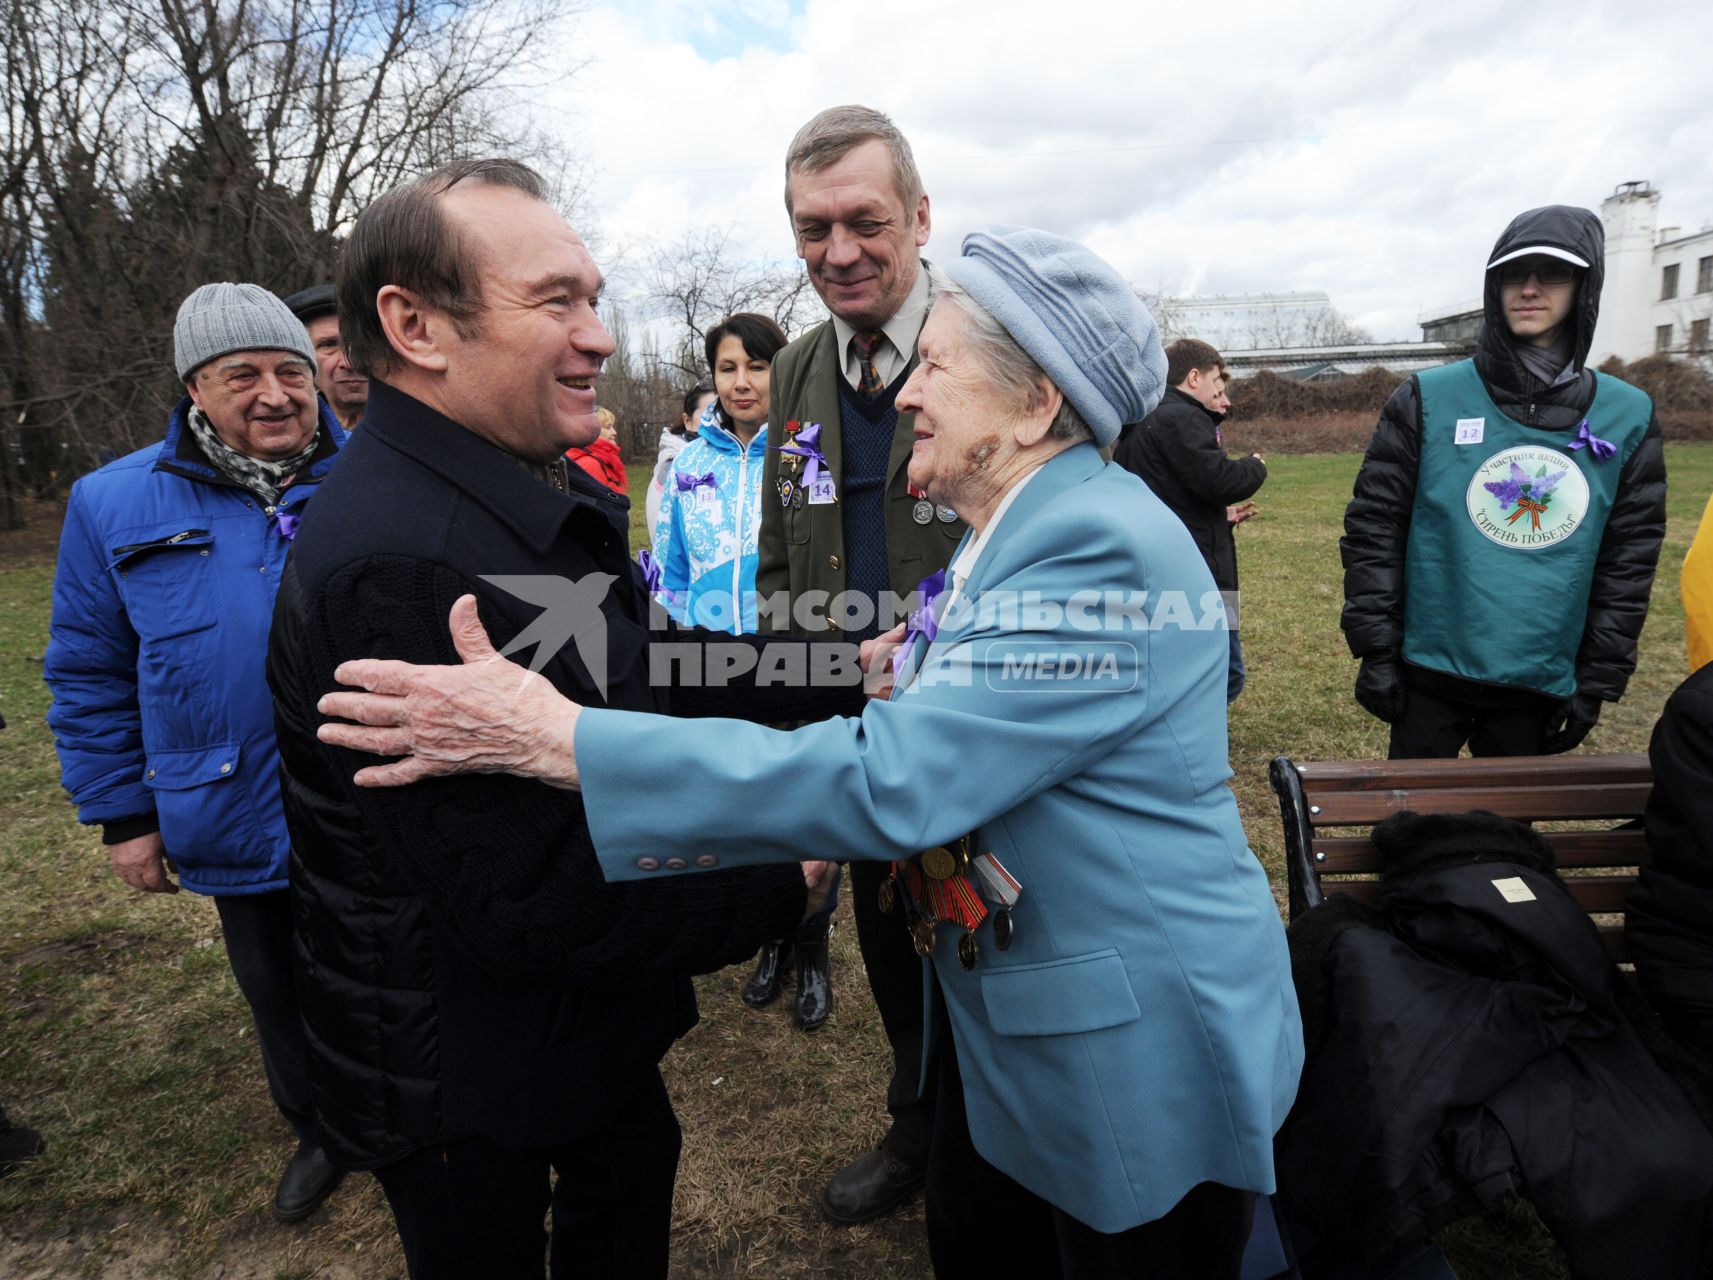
pixel 1528 497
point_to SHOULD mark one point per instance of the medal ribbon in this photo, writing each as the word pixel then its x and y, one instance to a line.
pixel 923 624
pixel 689 483
pixel 1600 449
pixel 806 444
pixel 954 899
pixel 996 882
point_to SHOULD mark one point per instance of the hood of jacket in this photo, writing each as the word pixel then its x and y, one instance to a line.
pixel 1560 226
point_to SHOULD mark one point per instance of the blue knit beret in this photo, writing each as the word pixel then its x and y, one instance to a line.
pixel 1073 313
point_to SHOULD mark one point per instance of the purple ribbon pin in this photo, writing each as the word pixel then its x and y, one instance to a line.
pixel 652 574
pixel 1601 449
pixel 689 483
pixel 806 444
pixel 923 623
pixel 288 525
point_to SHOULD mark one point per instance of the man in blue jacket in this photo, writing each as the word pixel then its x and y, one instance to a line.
pixel 169 562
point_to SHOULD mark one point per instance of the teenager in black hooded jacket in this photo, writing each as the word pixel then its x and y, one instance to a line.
pixel 1501 540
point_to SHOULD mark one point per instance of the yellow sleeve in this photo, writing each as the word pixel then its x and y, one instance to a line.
pixel 1697 587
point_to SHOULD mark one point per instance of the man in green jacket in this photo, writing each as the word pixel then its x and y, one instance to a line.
pixel 844 538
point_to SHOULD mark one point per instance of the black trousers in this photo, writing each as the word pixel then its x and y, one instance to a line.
pixel 258 932
pixel 982 1223
pixel 471 1208
pixel 1435 728
pixel 895 978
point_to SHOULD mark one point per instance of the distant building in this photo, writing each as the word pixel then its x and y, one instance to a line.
pixel 1323 364
pixel 1658 295
pixel 1659 282
pixel 1246 321
pixel 1460 324
pixel 1296 335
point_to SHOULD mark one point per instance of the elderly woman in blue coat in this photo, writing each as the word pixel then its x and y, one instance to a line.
pixel 1110 999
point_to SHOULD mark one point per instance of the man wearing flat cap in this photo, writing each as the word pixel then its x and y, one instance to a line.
pixel 1110 1011
pixel 168 565
pixel 1500 544
pixel 344 389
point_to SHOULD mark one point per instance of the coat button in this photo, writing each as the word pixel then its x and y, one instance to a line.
pixel 151 773
pixel 707 860
pixel 676 864
pixel 648 864
pixel 226 767
pixel 832 562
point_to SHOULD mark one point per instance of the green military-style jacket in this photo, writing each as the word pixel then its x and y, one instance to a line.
pixel 803 548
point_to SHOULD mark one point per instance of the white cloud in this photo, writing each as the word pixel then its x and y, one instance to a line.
pixel 1372 151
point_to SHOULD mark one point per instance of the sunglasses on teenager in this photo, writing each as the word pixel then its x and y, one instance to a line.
pixel 1545 273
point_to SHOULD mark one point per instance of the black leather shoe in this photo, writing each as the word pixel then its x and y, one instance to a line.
pixel 309 1178
pixel 771 966
pixel 18 1143
pixel 814 981
pixel 871 1185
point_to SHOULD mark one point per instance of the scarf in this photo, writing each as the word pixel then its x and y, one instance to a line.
pixel 267 480
pixel 1548 365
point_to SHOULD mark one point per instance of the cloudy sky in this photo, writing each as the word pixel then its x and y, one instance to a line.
pixel 1371 150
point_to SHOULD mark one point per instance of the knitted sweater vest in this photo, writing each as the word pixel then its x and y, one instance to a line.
pixel 865 432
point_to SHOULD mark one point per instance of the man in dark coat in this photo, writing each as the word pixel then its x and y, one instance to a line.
pixel 1178 452
pixel 1501 541
pixel 344 390
pixel 482 1009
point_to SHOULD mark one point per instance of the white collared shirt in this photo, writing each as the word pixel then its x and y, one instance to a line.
pixel 891 356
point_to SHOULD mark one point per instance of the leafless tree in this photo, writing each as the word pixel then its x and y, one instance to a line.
pixel 1165 310
pixel 149 146
pixel 697 280
pixel 1304 326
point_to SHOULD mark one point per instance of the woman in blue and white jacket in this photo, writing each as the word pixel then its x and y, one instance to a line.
pixel 710 521
pixel 710 514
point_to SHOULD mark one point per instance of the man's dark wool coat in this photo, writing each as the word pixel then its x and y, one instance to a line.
pixel 466 970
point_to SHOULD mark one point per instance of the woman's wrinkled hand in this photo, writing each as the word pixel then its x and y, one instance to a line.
pixel 489 715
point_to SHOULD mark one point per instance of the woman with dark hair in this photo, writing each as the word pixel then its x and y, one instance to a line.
pixel 672 441
pixel 710 518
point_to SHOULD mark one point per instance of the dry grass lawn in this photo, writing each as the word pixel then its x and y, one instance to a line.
pixel 123 1037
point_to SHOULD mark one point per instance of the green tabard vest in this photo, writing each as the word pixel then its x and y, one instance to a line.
pixel 1506 529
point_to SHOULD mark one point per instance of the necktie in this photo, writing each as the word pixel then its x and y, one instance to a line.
pixel 865 343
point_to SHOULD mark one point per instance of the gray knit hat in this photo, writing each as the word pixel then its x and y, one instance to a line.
pixel 1078 318
pixel 221 318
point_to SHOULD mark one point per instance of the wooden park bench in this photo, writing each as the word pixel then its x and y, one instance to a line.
pixel 1330 807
